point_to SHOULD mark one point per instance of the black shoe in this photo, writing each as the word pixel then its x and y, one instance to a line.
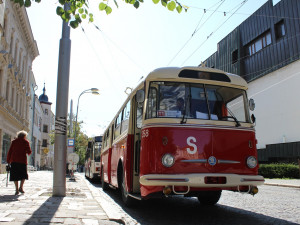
pixel 21 190
pixel 17 192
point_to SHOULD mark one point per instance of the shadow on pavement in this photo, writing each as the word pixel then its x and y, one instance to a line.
pixel 9 198
pixel 45 213
pixel 180 210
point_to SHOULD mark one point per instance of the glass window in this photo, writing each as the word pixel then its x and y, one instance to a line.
pixel 268 37
pixel 45 128
pixel 97 149
pixel 5 146
pixel 44 143
pixel 39 146
pixel 280 29
pixel 258 45
pixel 126 114
pixel 152 101
pixel 169 100
pixel 139 117
pixel 198 101
pixel 117 125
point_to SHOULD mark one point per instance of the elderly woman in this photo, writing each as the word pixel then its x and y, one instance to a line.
pixel 17 158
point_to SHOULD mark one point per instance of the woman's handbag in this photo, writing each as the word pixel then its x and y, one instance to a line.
pixel 7 168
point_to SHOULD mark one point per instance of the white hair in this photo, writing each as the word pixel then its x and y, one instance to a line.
pixel 21 134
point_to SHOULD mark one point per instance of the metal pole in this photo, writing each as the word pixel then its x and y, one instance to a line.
pixel 77 118
pixel 60 148
pixel 33 113
pixel 76 123
pixel 91 90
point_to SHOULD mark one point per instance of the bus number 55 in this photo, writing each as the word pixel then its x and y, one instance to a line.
pixel 145 133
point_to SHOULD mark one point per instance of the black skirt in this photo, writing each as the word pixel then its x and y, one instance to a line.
pixel 18 171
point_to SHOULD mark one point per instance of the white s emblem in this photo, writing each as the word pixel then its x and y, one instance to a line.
pixel 189 141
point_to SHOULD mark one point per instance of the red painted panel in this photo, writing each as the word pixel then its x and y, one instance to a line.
pixel 196 143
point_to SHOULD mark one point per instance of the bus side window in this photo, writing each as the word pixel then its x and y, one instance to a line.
pixel 139 117
pixel 125 120
pixel 117 125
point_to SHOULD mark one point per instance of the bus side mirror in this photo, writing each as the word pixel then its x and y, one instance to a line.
pixel 251 104
pixel 140 96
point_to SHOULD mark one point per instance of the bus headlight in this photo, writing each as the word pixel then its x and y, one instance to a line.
pixel 168 160
pixel 251 162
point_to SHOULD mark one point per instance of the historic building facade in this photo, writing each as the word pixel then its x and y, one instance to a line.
pixel 265 51
pixel 18 49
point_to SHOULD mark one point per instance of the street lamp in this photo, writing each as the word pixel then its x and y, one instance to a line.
pixel 94 91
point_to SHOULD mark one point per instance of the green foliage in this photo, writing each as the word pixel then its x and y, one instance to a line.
pixel 281 170
pixel 77 10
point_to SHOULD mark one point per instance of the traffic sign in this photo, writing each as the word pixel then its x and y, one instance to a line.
pixel 71 142
pixel 72 167
pixel 73 158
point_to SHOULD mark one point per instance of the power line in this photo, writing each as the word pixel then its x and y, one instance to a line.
pixel 98 57
pixel 241 4
pixel 197 29
pixel 246 14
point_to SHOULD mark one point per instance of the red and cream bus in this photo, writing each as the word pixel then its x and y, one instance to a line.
pixel 182 131
pixel 92 158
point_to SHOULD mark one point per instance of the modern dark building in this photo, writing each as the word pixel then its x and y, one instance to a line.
pixel 265 51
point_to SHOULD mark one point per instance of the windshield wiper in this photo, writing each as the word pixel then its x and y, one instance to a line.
pixel 238 124
pixel 184 119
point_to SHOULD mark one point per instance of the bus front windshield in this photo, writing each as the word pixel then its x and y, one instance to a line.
pixel 97 150
pixel 196 101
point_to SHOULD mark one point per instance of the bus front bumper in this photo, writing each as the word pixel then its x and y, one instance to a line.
pixel 201 180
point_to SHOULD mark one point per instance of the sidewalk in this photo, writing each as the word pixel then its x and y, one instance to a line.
pixel 37 206
pixel 293 183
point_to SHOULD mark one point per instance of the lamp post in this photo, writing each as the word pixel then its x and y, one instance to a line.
pixel 94 91
pixel 33 113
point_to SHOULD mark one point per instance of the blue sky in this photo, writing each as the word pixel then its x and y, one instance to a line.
pixel 132 42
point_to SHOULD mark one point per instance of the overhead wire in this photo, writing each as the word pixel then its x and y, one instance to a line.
pixel 197 28
pixel 98 57
pixel 240 5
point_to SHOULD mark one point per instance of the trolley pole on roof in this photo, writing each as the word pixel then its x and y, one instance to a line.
pixel 60 147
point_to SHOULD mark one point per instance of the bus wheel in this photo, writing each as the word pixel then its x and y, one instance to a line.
pixel 209 197
pixel 128 201
pixel 103 183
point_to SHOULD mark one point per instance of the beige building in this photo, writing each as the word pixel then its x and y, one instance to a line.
pixel 18 49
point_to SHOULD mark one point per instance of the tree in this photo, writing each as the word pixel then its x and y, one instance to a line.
pixel 79 8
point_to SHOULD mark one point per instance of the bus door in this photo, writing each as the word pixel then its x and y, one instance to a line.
pixel 137 124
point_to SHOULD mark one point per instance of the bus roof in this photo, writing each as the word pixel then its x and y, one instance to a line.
pixel 197 73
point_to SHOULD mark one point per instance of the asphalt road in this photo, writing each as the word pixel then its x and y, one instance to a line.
pixel 272 205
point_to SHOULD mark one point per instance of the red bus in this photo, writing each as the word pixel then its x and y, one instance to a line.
pixel 182 131
pixel 92 158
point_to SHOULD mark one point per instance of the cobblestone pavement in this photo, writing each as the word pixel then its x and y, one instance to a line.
pixel 86 203
pixel 37 206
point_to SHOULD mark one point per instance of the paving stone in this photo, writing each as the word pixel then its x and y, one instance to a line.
pixel 37 206
pixel 90 222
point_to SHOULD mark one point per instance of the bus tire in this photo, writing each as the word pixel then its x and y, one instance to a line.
pixel 128 201
pixel 209 197
pixel 104 185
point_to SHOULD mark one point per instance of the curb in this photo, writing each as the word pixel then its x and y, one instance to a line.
pixel 282 185
pixel 113 211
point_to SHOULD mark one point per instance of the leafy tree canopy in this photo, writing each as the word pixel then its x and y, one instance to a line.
pixel 78 9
